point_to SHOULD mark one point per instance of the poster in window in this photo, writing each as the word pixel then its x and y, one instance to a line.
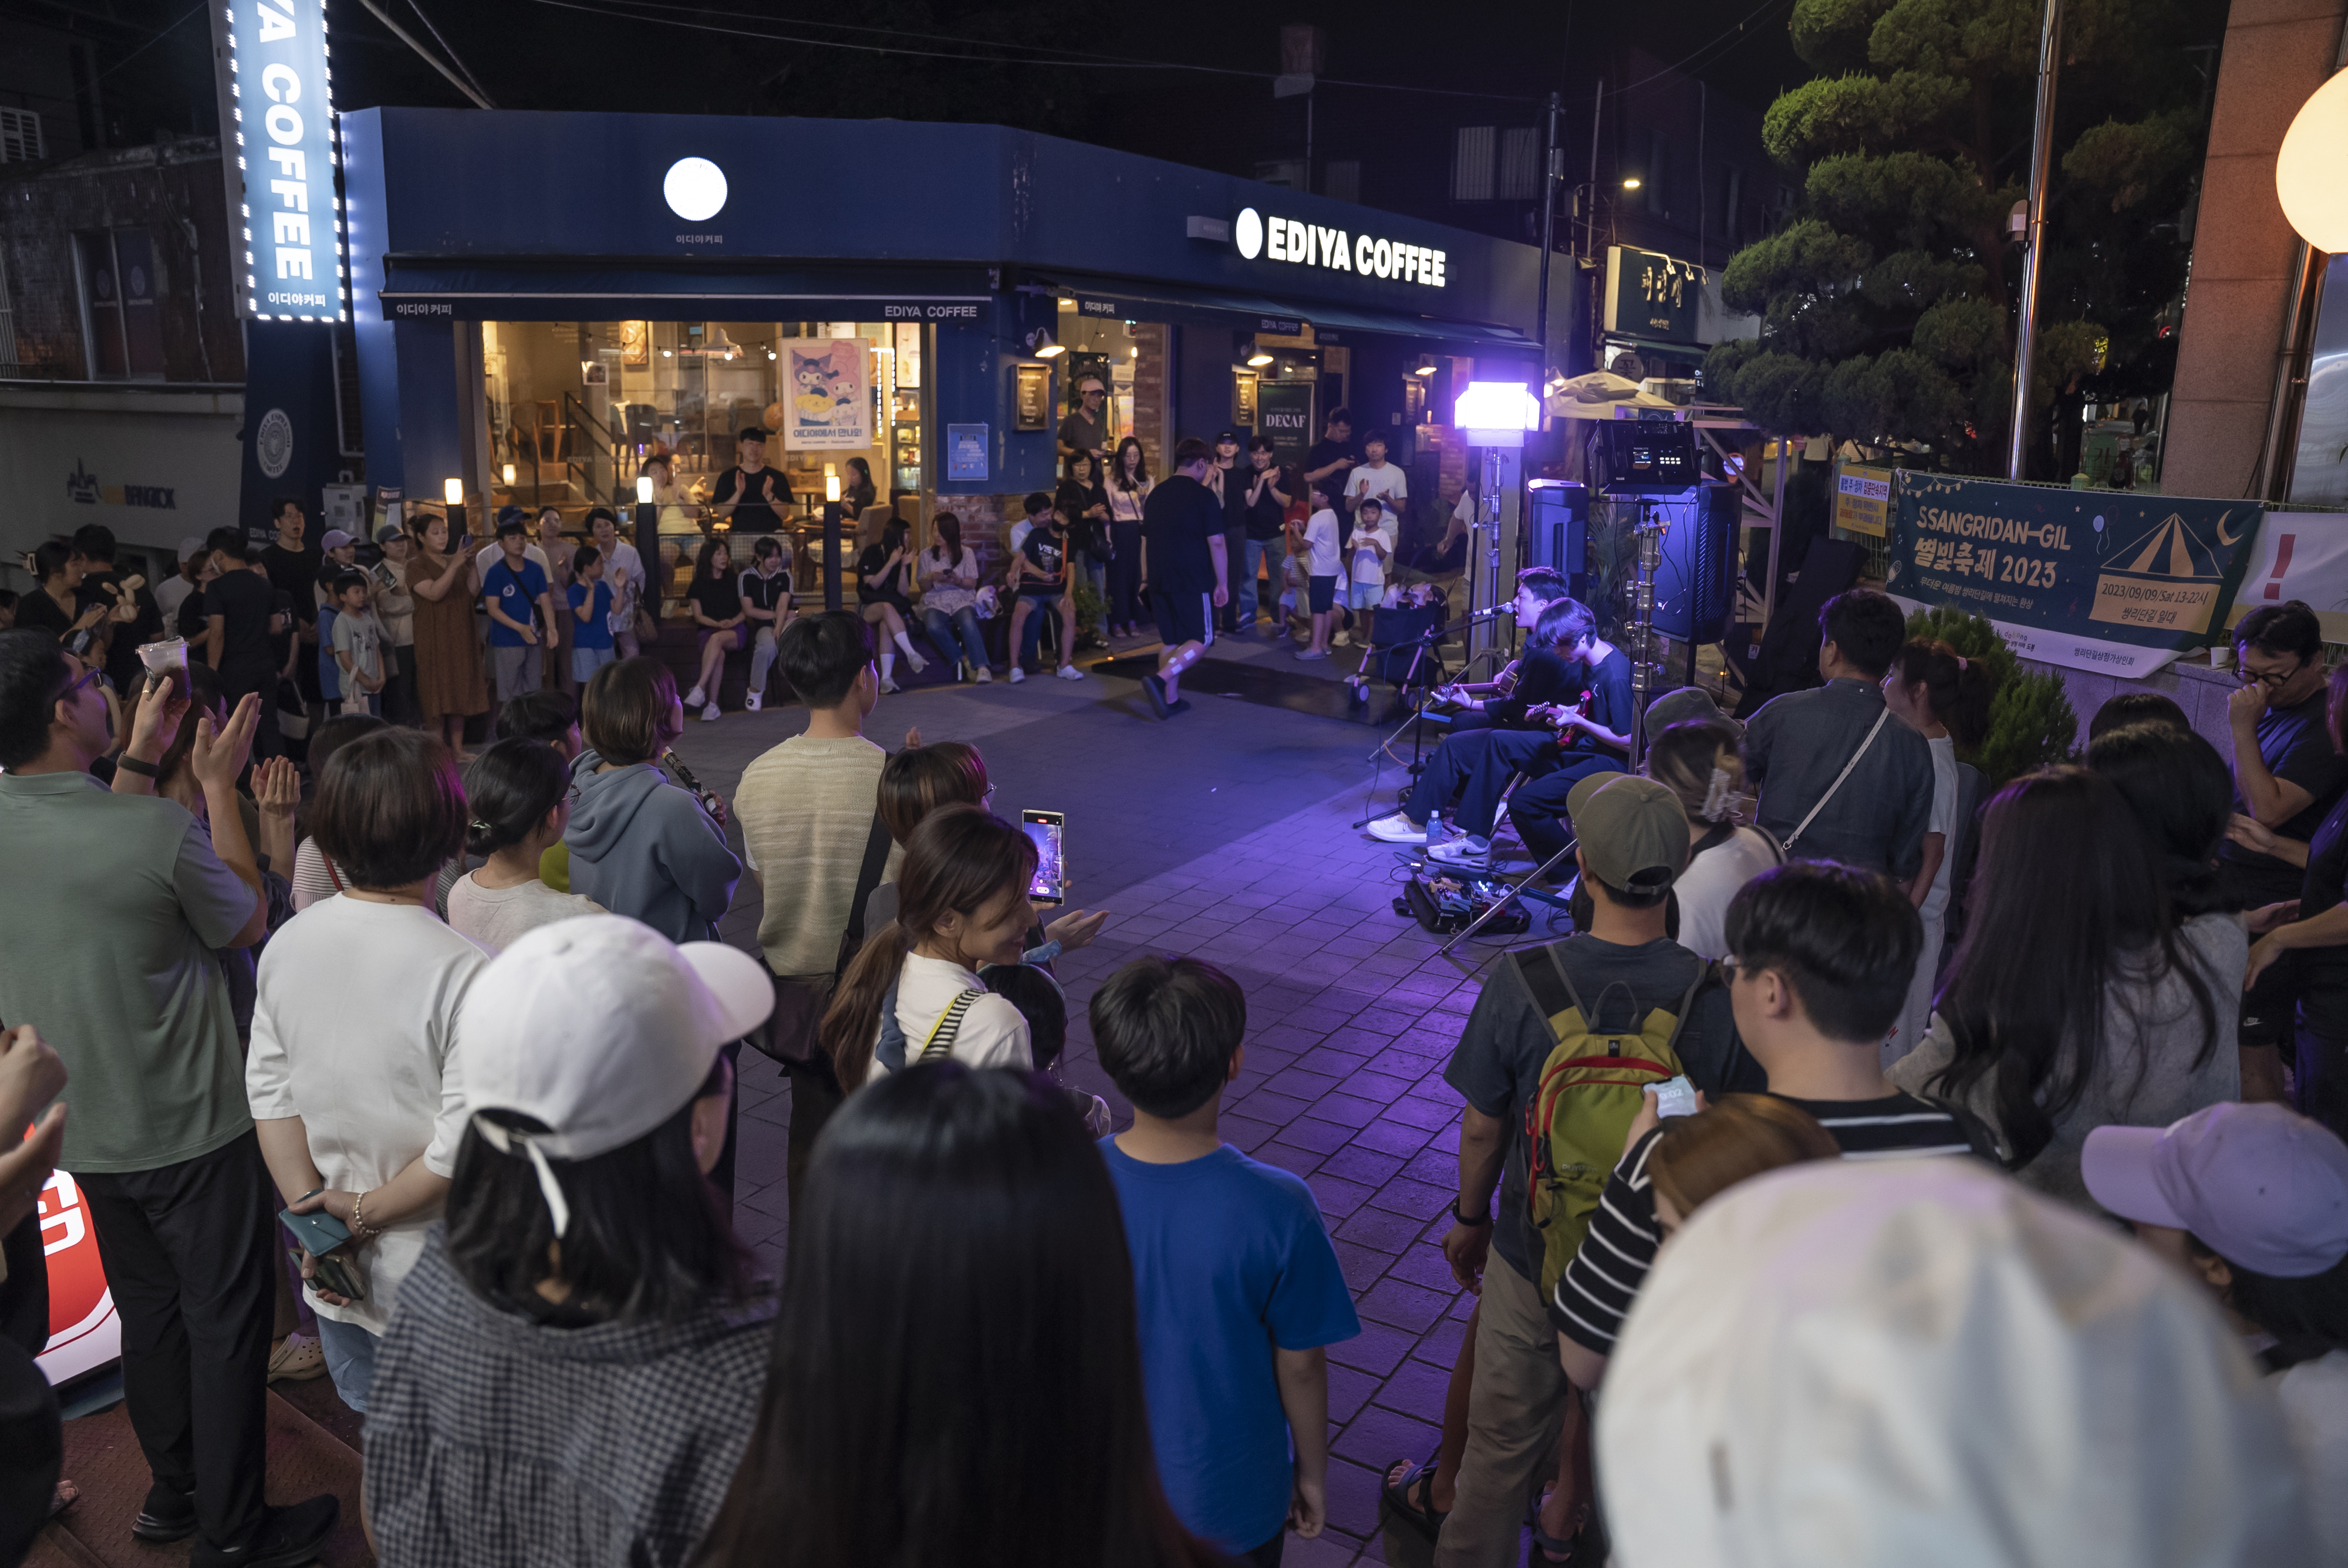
pixel 908 354
pixel 827 402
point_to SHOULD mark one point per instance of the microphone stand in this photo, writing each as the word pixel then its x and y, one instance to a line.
pixel 1428 642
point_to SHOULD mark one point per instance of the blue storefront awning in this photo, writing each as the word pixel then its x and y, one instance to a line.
pixel 422 289
pixel 1110 299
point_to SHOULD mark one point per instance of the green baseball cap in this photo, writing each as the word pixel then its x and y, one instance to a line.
pixel 1631 831
pixel 1680 706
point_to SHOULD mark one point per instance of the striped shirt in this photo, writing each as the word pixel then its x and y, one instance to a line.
pixel 1594 1293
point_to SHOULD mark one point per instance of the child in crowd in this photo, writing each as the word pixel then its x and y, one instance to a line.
pixel 519 791
pixel 357 640
pixel 352 1077
pixel 639 846
pixel 1040 575
pixel 1370 551
pixel 590 598
pixel 2252 1200
pixel 1851 1366
pixel 549 718
pixel 766 601
pixel 961 903
pixel 1237 1287
pixel 954 1377
pixel 586 1333
pixel 1324 567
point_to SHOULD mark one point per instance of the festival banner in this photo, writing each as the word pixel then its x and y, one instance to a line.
pixel 2301 555
pixel 828 396
pixel 2110 581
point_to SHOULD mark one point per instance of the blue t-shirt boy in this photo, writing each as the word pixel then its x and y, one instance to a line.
pixel 330 669
pixel 1230 1259
pixel 595 632
pixel 517 594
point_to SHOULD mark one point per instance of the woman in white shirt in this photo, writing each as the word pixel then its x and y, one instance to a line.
pixel 1698 760
pixel 352 1077
pixel 961 903
pixel 520 793
pixel 947 574
pixel 1945 699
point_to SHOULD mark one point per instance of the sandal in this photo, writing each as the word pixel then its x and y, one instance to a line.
pixel 1584 1547
pixel 1420 1512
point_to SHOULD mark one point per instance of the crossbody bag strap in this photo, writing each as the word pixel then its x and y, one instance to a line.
pixel 941 1042
pixel 867 877
pixel 1881 720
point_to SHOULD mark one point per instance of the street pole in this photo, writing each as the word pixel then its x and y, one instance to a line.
pixel 2042 160
pixel 1553 166
pixel 1597 111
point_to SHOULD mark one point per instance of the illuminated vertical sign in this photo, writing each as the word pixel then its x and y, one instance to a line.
pixel 281 155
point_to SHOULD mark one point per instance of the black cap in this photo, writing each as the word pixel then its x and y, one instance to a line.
pixel 1231 436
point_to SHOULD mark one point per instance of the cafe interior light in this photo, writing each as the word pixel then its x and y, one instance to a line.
pixel 2311 168
pixel 645 489
pixel 509 473
pixel 1630 183
pixel 453 491
pixel 832 486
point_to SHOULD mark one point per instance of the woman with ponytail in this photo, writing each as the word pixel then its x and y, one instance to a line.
pixel 520 793
pixel 1944 697
pixel 1699 761
pixel 2075 999
pixel 961 903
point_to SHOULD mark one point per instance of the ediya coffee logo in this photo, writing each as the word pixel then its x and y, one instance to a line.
pixel 83 488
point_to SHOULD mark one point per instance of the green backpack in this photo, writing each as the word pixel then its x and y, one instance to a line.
pixel 1590 1090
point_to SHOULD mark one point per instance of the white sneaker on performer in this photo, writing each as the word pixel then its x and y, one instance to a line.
pixel 1070 672
pixel 709 714
pixel 1018 673
pixel 750 703
pixel 1397 828
pixel 1470 853
pixel 695 698
pixel 985 677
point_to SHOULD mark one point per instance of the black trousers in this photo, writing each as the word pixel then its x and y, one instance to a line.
pixel 187 1249
pixel 1472 769
pixel 1537 807
pixel 1125 575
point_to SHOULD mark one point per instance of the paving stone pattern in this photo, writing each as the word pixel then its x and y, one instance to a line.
pixel 1224 835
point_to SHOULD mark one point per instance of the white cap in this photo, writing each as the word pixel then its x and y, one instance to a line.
pixel 1851 1364
pixel 189 548
pixel 601 1029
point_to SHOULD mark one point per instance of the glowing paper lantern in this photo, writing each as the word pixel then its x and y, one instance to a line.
pixel 2312 171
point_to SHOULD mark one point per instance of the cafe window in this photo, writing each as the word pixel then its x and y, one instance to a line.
pixel 575 409
pixel 120 330
pixel 1131 359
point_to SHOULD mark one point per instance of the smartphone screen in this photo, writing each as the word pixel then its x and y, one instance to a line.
pixel 1051 879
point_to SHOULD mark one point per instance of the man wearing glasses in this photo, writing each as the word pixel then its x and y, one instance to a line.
pixel 2287 777
pixel 1085 429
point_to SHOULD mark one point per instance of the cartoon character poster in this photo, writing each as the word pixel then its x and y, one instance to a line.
pixel 826 396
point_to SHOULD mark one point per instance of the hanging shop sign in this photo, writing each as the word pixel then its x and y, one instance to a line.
pixel 1276 238
pixel 1652 295
pixel 2119 584
pixel 280 158
pixel 828 405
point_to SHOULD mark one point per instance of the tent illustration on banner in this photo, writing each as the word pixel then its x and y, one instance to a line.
pixel 2169 579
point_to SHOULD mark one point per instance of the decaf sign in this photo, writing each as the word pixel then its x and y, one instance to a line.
pixel 1275 239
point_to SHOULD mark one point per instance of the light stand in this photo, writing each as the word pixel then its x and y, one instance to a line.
pixel 647 529
pixel 1640 636
pixel 831 541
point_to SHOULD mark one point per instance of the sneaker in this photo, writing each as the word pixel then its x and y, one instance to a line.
pixel 985 677
pixel 1070 672
pixel 1312 653
pixel 1397 828
pixel 169 1514
pixel 695 698
pixel 288 1537
pixel 1018 673
pixel 709 714
pixel 1155 689
pixel 889 684
pixel 917 662
pixel 296 1359
pixel 1179 705
pixel 750 703
pixel 1470 853
pixel 1342 639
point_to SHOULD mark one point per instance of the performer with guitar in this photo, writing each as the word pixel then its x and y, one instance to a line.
pixel 1483 704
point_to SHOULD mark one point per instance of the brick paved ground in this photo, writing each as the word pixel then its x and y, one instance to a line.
pixel 1225 834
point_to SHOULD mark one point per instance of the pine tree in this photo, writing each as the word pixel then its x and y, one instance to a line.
pixel 1887 304
pixel 2032 724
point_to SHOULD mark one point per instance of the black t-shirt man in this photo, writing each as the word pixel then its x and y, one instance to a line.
pixel 1176 521
pixel 1265 511
pixel 757 496
pixel 1605 699
pixel 244 600
pixel 2297 749
pixel 1046 549
pixel 293 573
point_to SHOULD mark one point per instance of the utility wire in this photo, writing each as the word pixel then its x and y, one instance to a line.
pixel 417 7
pixel 147 45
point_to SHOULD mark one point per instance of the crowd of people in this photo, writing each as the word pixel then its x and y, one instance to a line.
pixel 2037 1271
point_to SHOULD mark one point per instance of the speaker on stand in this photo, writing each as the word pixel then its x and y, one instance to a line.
pixel 1557 531
pixel 1695 575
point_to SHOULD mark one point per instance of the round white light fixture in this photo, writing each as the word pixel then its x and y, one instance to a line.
pixel 1247 233
pixel 2312 169
pixel 696 188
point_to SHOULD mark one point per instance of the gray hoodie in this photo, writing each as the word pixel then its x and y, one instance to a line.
pixel 641 847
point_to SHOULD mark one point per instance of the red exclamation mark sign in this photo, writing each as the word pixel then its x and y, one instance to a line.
pixel 2281 565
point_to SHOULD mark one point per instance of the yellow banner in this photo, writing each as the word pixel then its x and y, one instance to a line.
pixel 2154 603
pixel 1862 499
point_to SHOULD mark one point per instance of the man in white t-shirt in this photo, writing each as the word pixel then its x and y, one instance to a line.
pixel 1325 571
pixel 1379 481
pixel 623 569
